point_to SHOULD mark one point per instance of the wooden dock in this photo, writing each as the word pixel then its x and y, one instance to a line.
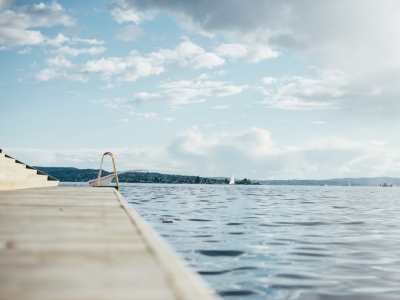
pixel 85 243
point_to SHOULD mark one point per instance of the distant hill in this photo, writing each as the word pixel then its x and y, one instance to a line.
pixel 374 181
pixel 71 174
pixel 84 175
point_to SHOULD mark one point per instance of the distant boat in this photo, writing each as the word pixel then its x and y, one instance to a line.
pixel 232 181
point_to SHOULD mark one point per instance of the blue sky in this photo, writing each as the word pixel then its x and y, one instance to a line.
pixel 262 89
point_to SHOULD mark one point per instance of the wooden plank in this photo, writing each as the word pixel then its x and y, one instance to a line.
pixel 83 243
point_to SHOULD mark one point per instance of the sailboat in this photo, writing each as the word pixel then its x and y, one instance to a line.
pixel 232 181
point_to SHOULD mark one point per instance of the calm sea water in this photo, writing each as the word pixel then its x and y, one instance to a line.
pixel 281 242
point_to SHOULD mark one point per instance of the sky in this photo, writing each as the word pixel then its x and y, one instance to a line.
pixel 260 89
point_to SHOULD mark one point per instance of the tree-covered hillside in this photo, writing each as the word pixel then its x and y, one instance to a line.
pixel 83 175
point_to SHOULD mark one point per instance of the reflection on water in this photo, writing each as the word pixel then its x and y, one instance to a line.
pixel 281 242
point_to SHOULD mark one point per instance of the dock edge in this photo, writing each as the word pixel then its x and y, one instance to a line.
pixel 184 281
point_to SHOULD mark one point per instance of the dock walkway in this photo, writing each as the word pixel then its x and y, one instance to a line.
pixel 85 243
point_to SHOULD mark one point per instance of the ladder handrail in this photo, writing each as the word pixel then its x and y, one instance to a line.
pixel 115 169
pixel 94 181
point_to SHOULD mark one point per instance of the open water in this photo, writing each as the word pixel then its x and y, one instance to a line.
pixel 281 242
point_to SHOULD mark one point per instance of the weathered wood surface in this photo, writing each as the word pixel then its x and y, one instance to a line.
pixel 85 243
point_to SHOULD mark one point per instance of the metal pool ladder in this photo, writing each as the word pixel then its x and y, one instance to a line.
pixel 115 170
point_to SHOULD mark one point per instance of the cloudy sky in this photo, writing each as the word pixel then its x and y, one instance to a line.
pixel 260 89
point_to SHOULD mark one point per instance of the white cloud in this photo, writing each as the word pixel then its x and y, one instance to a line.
pixel 221 72
pixel 178 93
pixel 260 158
pixel 112 103
pixel 252 44
pixel 109 85
pixel 123 120
pixel 206 60
pixel 16 25
pixel 286 23
pixel 5 3
pixel 217 153
pixel 189 54
pixel 203 76
pixel 47 74
pixel 259 52
pixel 58 67
pixel 129 33
pixel 58 40
pixel 66 50
pixel 144 97
pixel 59 62
pixel 376 142
pixel 26 50
pixel 186 91
pixel 298 92
pixel 75 77
pixel 169 119
pixel 136 65
pixel 150 115
pixel 62 39
pixel 269 80
pixel 234 50
pixel 75 40
pixel 220 107
pixel 122 13
pixel 51 74
pixel 358 38
pixel 105 66
pixel 318 122
pixel 129 68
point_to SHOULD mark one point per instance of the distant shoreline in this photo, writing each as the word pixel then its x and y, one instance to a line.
pixel 65 174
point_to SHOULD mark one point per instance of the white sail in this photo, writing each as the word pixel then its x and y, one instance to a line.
pixel 232 181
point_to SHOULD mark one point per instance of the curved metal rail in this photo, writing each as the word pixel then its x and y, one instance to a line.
pixel 106 180
pixel 115 170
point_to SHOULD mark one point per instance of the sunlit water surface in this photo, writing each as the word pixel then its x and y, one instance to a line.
pixel 281 242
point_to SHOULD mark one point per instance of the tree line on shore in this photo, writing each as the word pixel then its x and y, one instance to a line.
pixel 84 175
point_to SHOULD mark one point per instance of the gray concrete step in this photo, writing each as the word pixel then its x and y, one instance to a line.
pixel 16 184
pixel 16 168
pixel 15 175
pixel 21 175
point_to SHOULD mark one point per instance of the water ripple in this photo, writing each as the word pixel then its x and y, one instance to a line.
pixel 220 252
pixel 226 271
pixel 306 242
pixel 229 293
